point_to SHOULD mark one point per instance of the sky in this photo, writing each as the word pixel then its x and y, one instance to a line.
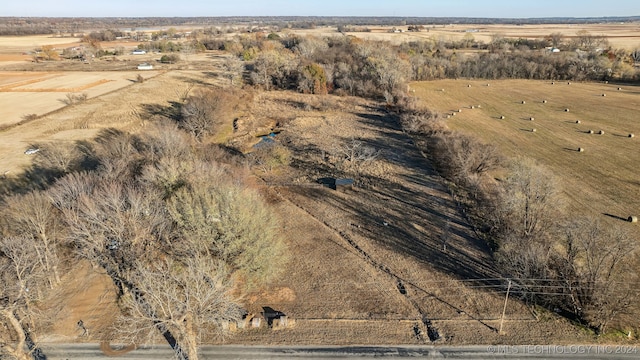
pixel 428 8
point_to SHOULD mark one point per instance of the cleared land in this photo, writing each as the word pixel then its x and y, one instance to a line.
pixel 367 266
pixel 601 180
pixel 38 93
pixel 619 35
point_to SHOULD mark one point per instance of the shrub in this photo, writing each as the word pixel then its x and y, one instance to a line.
pixel 170 58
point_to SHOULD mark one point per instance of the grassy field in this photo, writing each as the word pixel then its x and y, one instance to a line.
pixel 604 179
pixel 626 36
pixel 368 266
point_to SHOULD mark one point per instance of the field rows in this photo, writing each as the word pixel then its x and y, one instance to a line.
pixel 601 180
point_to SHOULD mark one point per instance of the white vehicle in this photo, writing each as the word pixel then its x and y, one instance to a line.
pixel 31 151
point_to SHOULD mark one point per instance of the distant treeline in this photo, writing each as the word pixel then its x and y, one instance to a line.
pixel 66 25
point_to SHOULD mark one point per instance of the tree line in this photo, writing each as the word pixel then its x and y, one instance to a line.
pixel 351 66
pixel 577 265
pixel 169 219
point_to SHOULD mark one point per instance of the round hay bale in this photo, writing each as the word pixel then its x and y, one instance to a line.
pixel 604 94
pixel 580 150
pixel 533 130
pixel 590 131
pixel 472 107
pixel 459 110
pixel 442 90
pixel 531 118
pixel 448 116
pixel 577 121
pixel 479 106
pixel 566 110
pixel 631 135
pixel 488 84
pixel 569 83
pixel 606 82
pixel 502 117
pixel 453 114
pixel 601 132
pixel 632 219
pixel 553 83
pixel 469 85
pixel 523 102
pixel 544 101
pixel 619 89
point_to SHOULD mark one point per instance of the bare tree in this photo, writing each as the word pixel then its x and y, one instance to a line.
pixel 233 67
pixel 355 153
pixel 595 270
pixel 272 68
pixel 391 72
pixel 309 46
pixel 531 202
pixel 207 109
pixel 191 298
pixel 21 284
pixel 33 216
pixel 556 39
pixel 208 230
pixel 58 156
pixel 459 156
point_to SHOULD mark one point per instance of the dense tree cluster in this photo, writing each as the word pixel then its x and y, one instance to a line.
pixel 379 69
pixel 178 233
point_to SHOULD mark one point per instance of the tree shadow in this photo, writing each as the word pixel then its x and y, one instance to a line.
pixel 172 111
pixel 415 209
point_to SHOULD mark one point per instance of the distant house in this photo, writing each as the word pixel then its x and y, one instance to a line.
pixel 145 66
pixel 138 52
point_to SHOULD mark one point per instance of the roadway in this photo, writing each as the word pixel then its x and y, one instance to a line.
pixel 228 352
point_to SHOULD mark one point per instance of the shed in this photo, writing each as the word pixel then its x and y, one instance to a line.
pixel 343 184
pixel 145 66
pixel 340 184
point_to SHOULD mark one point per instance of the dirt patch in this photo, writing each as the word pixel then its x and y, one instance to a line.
pixel 88 297
pixel 106 349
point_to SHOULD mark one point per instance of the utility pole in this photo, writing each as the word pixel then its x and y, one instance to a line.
pixel 504 309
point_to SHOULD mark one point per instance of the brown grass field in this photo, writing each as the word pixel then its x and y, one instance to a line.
pixel 352 252
pixel 38 93
pixel 625 35
pixel 604 179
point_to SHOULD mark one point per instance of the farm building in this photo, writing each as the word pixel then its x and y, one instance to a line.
pixel 138 52
pixel 145 66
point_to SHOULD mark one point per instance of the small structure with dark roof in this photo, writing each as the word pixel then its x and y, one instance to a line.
pixel 340 184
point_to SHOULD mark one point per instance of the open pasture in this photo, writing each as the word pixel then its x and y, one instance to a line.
pixel 603 179
pixel 626 35
pixel 38 93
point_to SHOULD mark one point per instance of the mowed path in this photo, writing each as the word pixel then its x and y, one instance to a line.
pixel 604 179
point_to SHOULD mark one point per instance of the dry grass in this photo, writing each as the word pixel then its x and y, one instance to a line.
pixel 40 93
pixel 350 249
pixel 619 35
pixel 602 180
